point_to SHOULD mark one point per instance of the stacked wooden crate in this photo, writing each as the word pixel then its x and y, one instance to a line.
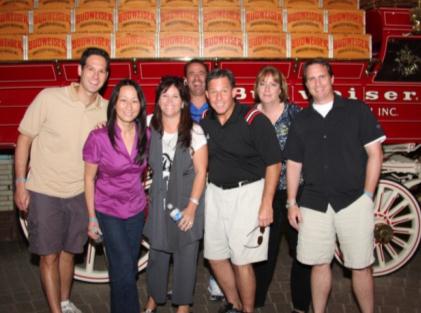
pixel 58 29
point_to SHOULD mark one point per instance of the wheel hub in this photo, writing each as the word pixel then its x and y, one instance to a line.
pixel 383 233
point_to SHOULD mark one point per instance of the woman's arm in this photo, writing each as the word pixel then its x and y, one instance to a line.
pixel 90 174
pixel 200 163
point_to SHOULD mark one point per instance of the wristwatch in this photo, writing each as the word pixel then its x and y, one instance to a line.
pixel 290 203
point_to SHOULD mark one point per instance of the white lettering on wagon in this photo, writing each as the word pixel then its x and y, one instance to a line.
pixel 369 95
pixel 373 95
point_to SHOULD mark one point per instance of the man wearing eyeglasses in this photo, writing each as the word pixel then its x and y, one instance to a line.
pixel 244 168
pixel 336 143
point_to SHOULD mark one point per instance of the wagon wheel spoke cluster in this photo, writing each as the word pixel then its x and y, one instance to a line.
pixel 397 230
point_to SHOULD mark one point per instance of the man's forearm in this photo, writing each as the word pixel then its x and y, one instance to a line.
pixel 293 179
pixel 271 181
pixel 22 155
pixel 373 167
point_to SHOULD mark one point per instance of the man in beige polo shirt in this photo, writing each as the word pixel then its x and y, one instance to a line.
pixel 53 131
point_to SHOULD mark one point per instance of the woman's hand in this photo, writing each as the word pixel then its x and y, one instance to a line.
pixel 94 232
pixel 187 221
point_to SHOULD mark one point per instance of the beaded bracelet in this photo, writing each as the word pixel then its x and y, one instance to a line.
pixel 20 180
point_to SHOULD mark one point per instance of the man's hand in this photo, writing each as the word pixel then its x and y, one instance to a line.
pixel 265 214
pixel 22 197
pixel 294 216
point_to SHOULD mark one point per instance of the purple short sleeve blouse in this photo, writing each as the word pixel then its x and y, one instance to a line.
pixel 118 190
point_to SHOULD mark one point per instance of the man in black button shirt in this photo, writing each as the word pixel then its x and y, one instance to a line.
pixel 336 143
pixel 244 168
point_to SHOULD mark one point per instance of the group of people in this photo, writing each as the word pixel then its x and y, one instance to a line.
pixel 238 177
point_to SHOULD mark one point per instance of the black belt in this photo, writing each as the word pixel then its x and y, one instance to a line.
pixel 235 185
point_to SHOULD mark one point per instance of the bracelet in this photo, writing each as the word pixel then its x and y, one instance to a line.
pixel 20 180
pixel 93 219
pixel 369 194
pixel 194 200
pixel 290 203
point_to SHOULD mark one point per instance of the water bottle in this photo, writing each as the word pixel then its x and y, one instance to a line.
pixel 175 213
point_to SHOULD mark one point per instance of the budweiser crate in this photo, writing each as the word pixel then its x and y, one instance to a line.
pixel 266 45
pixel 179 19
pixel 222 19
pixel 352 46
pixel 96 3
pixel 341 4
pixel 49 21
pixel 263 20
pixel 179 44
pixel 80 41
pixel 46 47
pixel 223 44
pixel 222 3
pixel 301 3
pixel 136 3
pixel 179 3
pixel 54 4
pixel 135 45
pixel 136 19
pixel 94 20
pixel 307 45
pixel 11 48
pixel 14 22
pixel 261 3
pixel 304 20
pixel 346 21
pixel 10 5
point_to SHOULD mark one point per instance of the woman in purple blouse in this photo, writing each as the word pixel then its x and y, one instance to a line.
pixel 115 159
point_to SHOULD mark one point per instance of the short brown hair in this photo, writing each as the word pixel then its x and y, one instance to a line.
pixel 277 76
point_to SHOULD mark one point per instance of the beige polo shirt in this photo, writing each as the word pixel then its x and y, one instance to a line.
pixel 59 123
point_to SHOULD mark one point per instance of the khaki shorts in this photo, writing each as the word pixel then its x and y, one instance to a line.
pixel 231 224
pixel 57 224
pixel 353 226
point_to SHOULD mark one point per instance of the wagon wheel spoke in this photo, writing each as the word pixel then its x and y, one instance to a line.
pixel 90 258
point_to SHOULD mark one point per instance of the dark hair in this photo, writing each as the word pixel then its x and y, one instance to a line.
pixel 140 120
pixel 277 76
pixel 94 51
pixel 195 61
pixel 220 73
pixel 319 61
pixel 186 123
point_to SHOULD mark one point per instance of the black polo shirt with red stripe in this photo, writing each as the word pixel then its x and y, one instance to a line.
pixel 332 152
pixel 242 148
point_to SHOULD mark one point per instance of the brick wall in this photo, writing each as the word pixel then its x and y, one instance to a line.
pixel 8 223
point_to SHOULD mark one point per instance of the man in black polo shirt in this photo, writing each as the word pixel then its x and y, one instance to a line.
pixel 244 167
pixel 337 144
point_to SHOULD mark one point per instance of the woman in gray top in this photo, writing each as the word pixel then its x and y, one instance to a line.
pixel 178 159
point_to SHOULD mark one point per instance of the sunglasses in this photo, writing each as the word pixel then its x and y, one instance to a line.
pixel 259 239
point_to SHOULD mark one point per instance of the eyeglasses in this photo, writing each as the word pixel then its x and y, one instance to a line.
pixel 259 239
